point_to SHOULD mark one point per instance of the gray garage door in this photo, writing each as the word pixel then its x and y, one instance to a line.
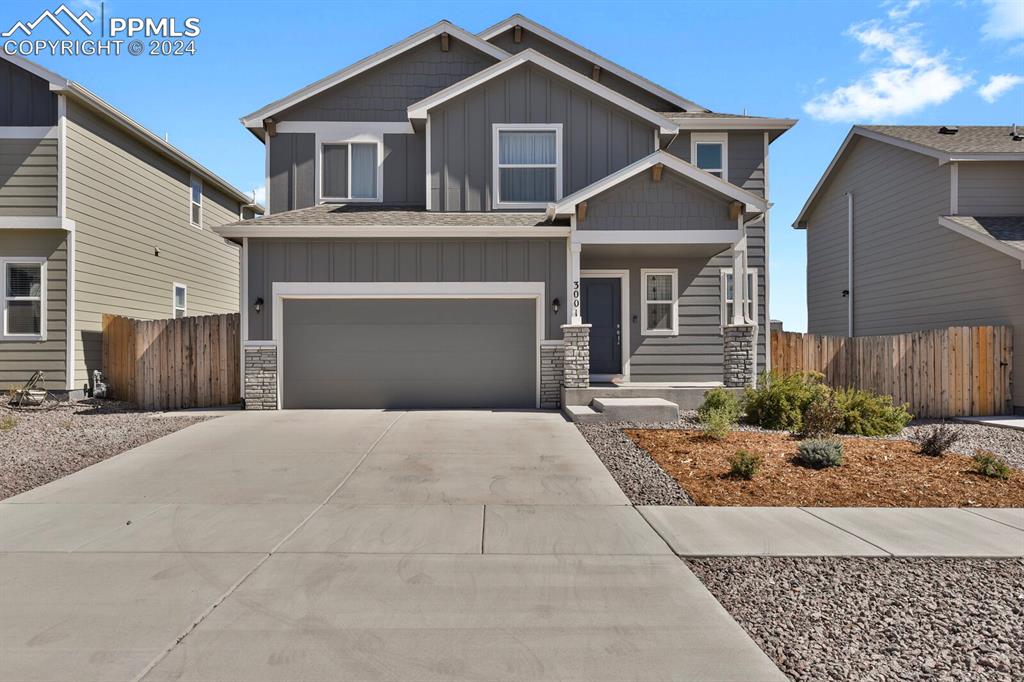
pixel 409 353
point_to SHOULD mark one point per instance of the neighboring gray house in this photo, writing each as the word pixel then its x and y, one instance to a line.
pixel 97 215
pixel 470 220
pixel 919 227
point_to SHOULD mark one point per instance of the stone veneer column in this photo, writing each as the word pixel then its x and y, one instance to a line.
pixel 738 355
pixel 260 389
pixel 551 363
pixel 576 362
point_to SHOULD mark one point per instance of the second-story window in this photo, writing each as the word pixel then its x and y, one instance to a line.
pixel 348 171
pixel 195 215
pixel 710 152
pixel 527 165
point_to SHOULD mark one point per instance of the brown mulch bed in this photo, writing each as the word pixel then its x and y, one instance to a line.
pixel 874 473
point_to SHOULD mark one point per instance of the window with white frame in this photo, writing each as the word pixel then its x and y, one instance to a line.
pixel 728 291
pixel 24 298
pixel 348 171
pixel 196 202
pixel 179 300
pixel 710 152
pixel 527 164
pixel 659 307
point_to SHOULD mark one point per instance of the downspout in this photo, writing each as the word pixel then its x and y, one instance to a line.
pixel 849 264
pixel 70 325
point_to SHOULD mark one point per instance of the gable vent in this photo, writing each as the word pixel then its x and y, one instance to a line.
pixel 948 130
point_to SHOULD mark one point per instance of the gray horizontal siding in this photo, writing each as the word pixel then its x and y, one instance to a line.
pixel 991 188
pixel 673 203
pixel 746 157
pixel 25 99
pixel 19 359
pixel 384 92
pixel 292 171
pixel 598 138
pixel 128 201
pixel 406 260
pixel 28 177
pixel 405 170
pixel 910 273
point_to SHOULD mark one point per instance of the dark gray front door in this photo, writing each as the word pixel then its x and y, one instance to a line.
pixel 602 309
pixel 409 353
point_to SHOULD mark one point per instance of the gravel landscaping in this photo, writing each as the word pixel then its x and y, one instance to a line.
pixel 879 618
pixel 39 445
pixel 1006 442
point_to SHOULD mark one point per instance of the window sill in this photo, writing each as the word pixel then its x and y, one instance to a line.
pixel 659 332
pixel 342 200
pixel 521 204
pixel 29 338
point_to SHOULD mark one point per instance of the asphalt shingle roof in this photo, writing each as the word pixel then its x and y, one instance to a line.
pixel 967 140
pixel 1007 229
pixel 391 216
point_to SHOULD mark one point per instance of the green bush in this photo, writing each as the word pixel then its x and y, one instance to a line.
pixel 779 402
pixel 717 423
pixel 721 399
pixel 744 465
pixel 990 464
pixel 868 414
pixel 820 454
pixel 823 417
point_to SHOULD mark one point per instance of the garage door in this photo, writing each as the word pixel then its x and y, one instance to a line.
pixel 409 353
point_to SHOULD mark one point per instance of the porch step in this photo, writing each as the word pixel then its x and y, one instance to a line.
pixel 581 414
pixel 645 410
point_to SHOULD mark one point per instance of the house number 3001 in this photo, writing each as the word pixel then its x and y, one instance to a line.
pixel 576 298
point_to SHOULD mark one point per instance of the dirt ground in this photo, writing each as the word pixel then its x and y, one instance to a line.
pixel 874 473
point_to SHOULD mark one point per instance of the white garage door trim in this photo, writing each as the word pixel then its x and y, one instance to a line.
pixel 427 290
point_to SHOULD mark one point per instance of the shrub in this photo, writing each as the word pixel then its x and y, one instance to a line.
pixel 717 423
pixel 721 399
pixel 7 423
pixel 820 454
pixel 938 439
pixel 990 464
pixel 779 402
pixel 868 414
pixel 744 465
pixel 823 417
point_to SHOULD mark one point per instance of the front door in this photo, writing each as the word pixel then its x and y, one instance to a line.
pixel 602 309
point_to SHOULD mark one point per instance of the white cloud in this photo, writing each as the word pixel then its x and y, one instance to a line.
pixel 900 10
pixel 998 86
pixel 906 79
pixel 1005 20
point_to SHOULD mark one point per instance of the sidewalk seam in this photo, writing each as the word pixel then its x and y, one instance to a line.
pixel 850 532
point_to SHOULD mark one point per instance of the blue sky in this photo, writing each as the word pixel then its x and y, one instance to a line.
pixel 830 64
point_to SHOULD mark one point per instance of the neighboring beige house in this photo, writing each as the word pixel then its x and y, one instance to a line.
pixel 919 227
pixel 98 215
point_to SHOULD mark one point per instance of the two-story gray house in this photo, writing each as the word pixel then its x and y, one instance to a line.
pixel 98 215
pixel 919 227
pixel 467 220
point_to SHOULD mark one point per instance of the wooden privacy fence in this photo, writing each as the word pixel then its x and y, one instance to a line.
pixel 172 364
pixel 954 372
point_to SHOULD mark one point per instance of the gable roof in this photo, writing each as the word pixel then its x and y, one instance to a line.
pixel 255 119
pixel 979 143
pixel 419 109
pixel 712 120
pixel 577 49
pixel 79 93
pixel 752 202
pixel 1002 233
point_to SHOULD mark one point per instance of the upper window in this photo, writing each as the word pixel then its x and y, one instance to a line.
pixel 349 171
pixel 527 165
pixel 24 298
pixel 658 308
pixel 728 288
pixel 710 152
pixel 196 202
pixel 179 300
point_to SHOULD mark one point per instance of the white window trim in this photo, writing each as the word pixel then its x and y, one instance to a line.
pixel 726 302
pixel 711 138
pixel 325 138
pixel 41 261
pixel 674 330
pixel 174 300
pixel 192 178
pixel 496 130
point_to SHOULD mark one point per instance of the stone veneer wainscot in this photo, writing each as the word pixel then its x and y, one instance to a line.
pixel 260 389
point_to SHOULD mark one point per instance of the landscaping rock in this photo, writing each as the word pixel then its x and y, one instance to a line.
pixel 1006 442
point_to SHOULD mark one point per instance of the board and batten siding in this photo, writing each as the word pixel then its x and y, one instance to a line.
pixel 19 359
pixel 28 177
pixel 405 165
pixel 674 203
pixel 128 201
pixel 405 260
pixel 598 138
pixel 991 188
pixel 910 273
pixel 25 98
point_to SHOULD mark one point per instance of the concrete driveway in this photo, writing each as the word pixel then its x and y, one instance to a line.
pixel 354 545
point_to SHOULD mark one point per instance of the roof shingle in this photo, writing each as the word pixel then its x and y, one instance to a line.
pixel 967 139
pixel 391 216
pixel 1007 229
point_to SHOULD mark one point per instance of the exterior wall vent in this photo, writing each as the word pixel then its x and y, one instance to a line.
pixel 948 130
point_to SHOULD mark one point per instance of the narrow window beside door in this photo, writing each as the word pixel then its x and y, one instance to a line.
pixel 659 308
pixel 24 298
pixel 180 300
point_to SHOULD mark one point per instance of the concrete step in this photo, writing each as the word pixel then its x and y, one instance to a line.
pixel 581 414
pixel 645 410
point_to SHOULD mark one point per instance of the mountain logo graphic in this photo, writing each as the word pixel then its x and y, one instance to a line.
pixel 54 17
